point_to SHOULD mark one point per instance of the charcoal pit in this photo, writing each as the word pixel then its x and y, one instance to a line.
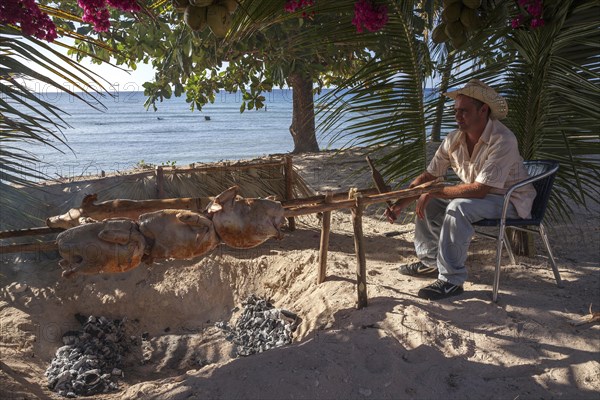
pixel 260 327
pixel 91 360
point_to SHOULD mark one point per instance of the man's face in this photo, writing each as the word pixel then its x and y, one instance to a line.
pixel 469 117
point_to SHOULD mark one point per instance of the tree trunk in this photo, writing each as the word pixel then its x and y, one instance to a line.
pixel 522 243
pixel 303 114
pixel 439 108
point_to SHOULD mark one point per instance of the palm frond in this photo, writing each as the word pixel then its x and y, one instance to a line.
pixel 554 84
pixel 382 105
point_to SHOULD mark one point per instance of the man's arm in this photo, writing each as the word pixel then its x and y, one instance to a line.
pixel 421 179
pixel 473 190
pixel 395 209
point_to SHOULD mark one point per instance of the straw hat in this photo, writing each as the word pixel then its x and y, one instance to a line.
pixel 482 92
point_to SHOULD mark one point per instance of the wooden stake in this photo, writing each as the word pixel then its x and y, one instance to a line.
pixel 359 246
pixel 367 200
pixel 29 232
pixel 324 245
pixel 160 177
pixel 288 174
pixel 28 247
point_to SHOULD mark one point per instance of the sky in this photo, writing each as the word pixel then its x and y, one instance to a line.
pixel 124 80
pixel 121 80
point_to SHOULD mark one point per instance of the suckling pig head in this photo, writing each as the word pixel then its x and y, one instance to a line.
pixel 110 246
pixel 244 223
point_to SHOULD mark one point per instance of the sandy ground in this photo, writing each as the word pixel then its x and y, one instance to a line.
pixel 525 346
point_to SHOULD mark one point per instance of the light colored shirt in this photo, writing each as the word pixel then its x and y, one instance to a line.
pixel 495 162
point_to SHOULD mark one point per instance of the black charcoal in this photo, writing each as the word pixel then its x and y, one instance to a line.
pixel 260 327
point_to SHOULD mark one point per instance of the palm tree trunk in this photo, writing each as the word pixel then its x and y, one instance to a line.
pixel 439 108
pixel 303 114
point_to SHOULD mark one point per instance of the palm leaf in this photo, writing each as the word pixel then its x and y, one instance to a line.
pixel 382 105
pixel 553 81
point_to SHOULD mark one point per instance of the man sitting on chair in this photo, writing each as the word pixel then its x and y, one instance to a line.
pixel 484 155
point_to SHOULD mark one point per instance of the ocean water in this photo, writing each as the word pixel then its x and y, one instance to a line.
pixel 125 134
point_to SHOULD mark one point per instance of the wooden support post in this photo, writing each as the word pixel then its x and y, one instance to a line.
pixel 359 246
pixel 43 230
pixel 160 181
pixel 324 245
pixel 288 174
pixel 28 247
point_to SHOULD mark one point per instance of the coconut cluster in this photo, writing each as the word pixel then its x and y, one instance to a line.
pixel 199 14
pixel 459 18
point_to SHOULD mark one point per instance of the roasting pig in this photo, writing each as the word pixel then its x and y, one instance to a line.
pixel 244 223
pixel 179 234
pixel 114 245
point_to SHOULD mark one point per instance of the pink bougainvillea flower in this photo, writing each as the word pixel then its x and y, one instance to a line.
pixel 535 9
pixel 369 16
pixel 27 15
pixel 517 21
pixel 531 9
pixel 96 11
pixel 537 23
pixel 293 5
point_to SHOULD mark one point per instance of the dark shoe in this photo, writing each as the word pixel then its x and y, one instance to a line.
pixel 439 290
pixel 417 269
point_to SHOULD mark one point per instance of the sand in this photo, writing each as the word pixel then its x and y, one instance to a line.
pixel 399 346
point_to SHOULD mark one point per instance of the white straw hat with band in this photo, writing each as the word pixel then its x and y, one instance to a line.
pixel 482 92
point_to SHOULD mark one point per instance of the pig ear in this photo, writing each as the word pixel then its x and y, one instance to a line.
pixel 214 206
pixel 114 236
pixel 191 218
pixel 227 196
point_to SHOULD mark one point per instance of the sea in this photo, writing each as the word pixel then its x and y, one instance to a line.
pixel 123 133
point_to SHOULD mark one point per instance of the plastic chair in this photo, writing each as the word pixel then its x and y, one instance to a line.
pixel 542 174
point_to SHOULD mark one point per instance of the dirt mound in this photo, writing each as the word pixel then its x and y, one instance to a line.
pixel 398 347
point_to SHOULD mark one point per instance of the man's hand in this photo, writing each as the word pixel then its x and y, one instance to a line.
pixel 394 210
pixel 421 204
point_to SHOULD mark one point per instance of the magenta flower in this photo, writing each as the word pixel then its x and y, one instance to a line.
pixel 369 16
pixel 27 15
pixel 96 11
pixel 517 21
pixel 533 9
pixel 293 5
pixel 537 23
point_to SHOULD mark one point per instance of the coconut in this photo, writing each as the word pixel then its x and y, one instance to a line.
pixel 454 29
pixel 458 41
pixel 195 17
pixel 218 20
pixel 452 12
pixel 230 4
pixel 472 4
pixel 470 19
pixel 439 35
pixel 201 3
pixel 448 2
pixel 180 5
